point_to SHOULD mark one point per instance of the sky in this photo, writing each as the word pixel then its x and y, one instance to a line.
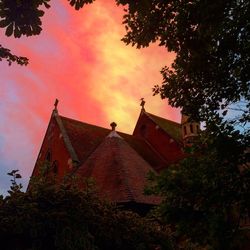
pixel 80 59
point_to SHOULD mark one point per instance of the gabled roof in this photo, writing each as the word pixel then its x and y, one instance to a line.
pixel 170 127
pixel 85 138
pixel 118 162
pixel 119 171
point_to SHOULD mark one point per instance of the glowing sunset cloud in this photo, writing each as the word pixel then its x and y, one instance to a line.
pixel 80 60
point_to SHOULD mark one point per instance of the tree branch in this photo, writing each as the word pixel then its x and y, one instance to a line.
pixel 5 54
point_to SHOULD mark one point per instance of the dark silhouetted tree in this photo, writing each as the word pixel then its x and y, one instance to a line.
pixel 23 18
pixel 61 216
pixel 207 195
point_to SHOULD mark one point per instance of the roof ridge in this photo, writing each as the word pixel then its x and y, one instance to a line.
pixel 85 123
pixel 66 139
pixel 179 124
pixel 64 117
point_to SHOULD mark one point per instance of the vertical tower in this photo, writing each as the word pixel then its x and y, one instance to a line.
pixel 190 129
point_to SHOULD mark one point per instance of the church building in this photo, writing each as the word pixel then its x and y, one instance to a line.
pixel 118 162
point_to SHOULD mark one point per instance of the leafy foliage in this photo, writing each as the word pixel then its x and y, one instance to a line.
pixel 77 4
pixel 53 216
pixel 207 195
pixel 14 188
pixel 22 17
pixel 211 42
pixel 210 39
pixel 7 55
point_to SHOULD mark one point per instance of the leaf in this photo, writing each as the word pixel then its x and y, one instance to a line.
pixel 9 30
pixel 72 2
pixel 3 23
pixel 12 172
pixel 224 112
pixel 17 32
pixel 46 5
pixel 40 13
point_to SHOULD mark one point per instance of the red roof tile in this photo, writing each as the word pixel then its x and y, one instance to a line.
pixel 85 138
pixel 119 171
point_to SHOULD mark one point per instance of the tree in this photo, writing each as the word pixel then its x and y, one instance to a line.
pixel 211 42
pixel 53 216
pixel 20 18
pixel 7 55
pixel 207 195
pixel 209 76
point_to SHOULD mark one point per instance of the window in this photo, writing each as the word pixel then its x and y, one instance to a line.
pixel 54 167
pixel 48 156
pixel 47 163
pixel 198 128
pixel 191 129
pixel 185 130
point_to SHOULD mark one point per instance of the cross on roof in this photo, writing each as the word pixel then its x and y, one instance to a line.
pixel 142 103
pixel 56 103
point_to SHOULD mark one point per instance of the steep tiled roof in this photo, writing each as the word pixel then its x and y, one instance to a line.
pixel 119 171
pixel 170 127
pixel 85 138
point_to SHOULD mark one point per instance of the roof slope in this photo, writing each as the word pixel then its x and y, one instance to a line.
pixel 170 127
pixel 119 171
pixel 85 138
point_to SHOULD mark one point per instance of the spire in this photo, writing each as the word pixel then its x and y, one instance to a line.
pixel 56 103
pixel 113 125
pixel 142 104
pixel 55 111
pixel 113 133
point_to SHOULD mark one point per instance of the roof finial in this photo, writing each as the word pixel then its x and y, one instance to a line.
pixel 113 125
pixel 142 103
pixel 56 103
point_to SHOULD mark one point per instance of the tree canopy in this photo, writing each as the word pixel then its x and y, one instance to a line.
pixel 20 18
pixel 207 195
pixel 211 42
pixel 52 216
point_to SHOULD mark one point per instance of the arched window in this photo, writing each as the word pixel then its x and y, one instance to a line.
pixel 191 129
pixel 47 163
pixel 54 167
pixel 198 128
pixel 185 130
pixel 48 156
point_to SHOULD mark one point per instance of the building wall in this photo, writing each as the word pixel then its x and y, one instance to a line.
pixel 168 148
pixel 60 162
